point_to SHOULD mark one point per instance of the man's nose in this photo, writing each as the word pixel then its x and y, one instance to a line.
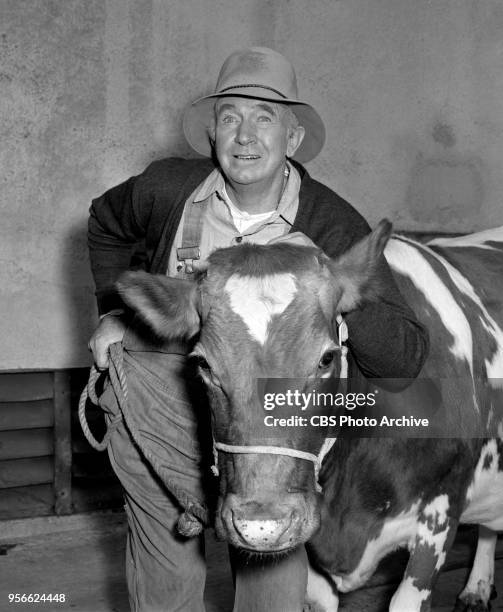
pixel 246 133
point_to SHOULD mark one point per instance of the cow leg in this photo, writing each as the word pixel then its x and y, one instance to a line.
pixel 434 536
pixel 479 589
pixel 321 594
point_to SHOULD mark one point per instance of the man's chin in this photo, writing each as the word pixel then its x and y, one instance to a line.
pixel 246 173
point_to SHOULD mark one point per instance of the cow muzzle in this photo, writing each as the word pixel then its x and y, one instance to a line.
pixel 265 528
pixel 264 535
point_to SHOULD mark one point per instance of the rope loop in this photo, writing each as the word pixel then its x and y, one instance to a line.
pixel 195 515
pixel 90 392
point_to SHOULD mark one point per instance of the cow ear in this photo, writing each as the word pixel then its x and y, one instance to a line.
pixel 356 271
pixel 169 306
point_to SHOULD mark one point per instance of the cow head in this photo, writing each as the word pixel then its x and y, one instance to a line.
pixel 261 312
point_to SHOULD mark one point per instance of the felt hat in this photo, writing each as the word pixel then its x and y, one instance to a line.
pixel 262 74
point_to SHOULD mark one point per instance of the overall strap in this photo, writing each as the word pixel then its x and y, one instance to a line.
pixel 190 250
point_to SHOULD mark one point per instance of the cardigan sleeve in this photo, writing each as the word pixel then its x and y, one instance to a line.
pixel 386 340
pixel 117 222
pixel 145 210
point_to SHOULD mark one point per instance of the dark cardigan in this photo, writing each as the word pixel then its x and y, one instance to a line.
pixel 386 340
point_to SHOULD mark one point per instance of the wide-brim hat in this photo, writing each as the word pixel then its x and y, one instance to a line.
pixel 262 74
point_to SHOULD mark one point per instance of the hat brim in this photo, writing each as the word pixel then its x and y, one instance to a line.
pixel 198 116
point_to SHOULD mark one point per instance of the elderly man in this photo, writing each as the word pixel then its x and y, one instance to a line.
pixel 253 131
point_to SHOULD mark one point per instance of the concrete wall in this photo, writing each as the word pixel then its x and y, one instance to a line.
pixel 92 90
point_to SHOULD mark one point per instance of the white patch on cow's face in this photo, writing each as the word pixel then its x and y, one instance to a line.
pixel 408 598
pixel 398 531
pixel 478 240
pixel 437 511
pixel 257 299
pixel 484 496
pixel 407 260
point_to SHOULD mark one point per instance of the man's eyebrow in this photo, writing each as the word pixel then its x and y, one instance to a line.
pixel 268 108
pixel 225 107
pixel 260 105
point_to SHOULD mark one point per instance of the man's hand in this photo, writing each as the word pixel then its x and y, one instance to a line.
pixel 110 330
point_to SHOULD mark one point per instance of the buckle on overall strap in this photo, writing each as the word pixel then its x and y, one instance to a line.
pixel 187 255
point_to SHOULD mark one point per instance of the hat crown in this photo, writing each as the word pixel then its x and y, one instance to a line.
pixel 258 67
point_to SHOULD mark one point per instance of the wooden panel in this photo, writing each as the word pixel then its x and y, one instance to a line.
pixel 62 444
pixel 31 426
pixel 30 443
pixel 26 386
pixel 97 497
pixel 26 415
pixel 21 502
pixel 22 472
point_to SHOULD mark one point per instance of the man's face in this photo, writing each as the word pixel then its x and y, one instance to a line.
pixel 252 139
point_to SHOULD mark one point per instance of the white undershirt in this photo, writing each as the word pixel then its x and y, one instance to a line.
pixel 242 219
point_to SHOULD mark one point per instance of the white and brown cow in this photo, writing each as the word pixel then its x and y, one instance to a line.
pixel 268 311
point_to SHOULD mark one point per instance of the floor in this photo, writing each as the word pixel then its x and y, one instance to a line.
pixel 86 565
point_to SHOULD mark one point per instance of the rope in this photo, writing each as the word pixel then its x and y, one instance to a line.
pixel 195 514
pixel 274 450
pixel 90 392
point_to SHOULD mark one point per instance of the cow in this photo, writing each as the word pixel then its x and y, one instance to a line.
pixel 269 311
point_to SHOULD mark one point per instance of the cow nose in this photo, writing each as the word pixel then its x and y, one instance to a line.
pixel 264 534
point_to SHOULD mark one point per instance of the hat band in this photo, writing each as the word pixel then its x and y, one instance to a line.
pixel 253 85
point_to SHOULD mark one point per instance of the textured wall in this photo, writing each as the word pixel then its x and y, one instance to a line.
pixel 92 90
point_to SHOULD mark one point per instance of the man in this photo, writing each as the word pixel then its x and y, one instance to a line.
pixel 253 131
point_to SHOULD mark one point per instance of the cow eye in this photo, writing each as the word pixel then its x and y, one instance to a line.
pixel 326 359
pixel 201 363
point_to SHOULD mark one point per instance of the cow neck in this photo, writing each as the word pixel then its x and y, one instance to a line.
pixel 317 460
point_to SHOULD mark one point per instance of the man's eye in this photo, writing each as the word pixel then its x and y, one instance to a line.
pixel 228 119
pixel 264 119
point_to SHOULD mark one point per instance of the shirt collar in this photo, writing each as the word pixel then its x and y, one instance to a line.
pixel 215 183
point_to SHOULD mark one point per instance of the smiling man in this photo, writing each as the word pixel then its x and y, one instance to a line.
pixel 254 132
pixel 252 140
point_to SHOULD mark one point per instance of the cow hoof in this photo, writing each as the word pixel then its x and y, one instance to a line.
pixel 472 602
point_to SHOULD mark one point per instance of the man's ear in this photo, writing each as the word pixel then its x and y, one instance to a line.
pixel 169 306
pixel 211 131
pixel 355 273
pixel 295 138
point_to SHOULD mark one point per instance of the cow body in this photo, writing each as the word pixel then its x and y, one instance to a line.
pixel 455 287
pixel 269 312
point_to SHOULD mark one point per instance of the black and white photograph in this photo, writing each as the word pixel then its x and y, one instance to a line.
pixel 252 305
